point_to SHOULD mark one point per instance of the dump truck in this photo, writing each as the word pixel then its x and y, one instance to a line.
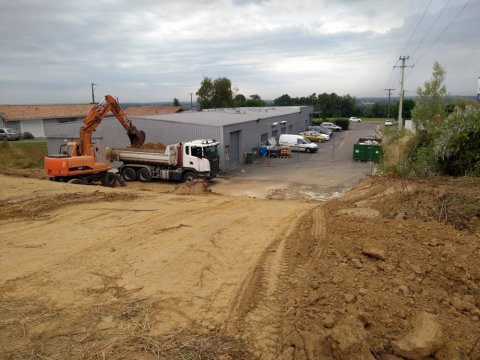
pixel 178 162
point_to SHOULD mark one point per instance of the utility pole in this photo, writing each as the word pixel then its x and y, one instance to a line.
pixel 478 89
pixel 400 105
pixel 191 101
pixel 93 93
pixel 388 107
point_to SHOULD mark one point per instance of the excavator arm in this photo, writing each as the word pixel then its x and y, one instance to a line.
pixel 95 117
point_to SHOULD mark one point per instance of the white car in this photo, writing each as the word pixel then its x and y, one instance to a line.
pixel 355 119
pixel 331 126
pixel 388 122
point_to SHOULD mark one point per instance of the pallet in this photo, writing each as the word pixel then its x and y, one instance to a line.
pixel 285 152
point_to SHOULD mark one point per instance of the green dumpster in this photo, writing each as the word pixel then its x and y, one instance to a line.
pixel 367 149
pixel 249 159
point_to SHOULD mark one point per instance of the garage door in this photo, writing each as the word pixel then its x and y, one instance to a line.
pixel 234 150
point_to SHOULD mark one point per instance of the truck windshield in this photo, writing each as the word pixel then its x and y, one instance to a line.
pixel 211 151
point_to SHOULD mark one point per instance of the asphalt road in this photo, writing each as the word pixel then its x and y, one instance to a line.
pixel 321 175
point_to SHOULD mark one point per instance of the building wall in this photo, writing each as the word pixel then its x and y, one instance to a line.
pixel 111 133
pixel 34 127
pixel 252 133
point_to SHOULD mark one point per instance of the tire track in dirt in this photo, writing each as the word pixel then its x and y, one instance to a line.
pixel 259 307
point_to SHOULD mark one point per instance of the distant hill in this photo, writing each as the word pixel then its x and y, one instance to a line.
pixel 394 99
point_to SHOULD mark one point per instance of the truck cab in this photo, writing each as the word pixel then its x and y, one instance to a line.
pixel 201 156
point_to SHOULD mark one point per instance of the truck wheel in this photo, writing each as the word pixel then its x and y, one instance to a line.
pixel 129 174
pixel 189 176
pixel 109 179
pixel 144 175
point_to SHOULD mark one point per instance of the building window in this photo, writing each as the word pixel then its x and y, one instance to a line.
pixel 290 128
pixel 275 133
pixel 263 138
pixel 283 130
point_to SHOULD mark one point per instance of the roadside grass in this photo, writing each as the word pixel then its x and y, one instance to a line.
pixel 363 119
pixel 22 154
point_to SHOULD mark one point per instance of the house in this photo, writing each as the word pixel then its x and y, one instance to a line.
pixel 33 118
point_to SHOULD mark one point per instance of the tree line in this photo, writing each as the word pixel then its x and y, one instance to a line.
pixel 218 93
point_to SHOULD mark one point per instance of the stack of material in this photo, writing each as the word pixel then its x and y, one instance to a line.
pixel 285 151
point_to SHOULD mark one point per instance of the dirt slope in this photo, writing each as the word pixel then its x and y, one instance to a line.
pixel 90 272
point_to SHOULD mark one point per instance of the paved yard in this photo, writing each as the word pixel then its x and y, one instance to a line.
pixel 321 175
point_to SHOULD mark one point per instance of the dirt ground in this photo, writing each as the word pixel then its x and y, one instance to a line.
pixel 153 271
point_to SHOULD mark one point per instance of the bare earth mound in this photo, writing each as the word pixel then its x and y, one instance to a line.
pixel 388 271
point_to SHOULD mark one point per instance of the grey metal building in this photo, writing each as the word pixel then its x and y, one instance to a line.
pixel 238 131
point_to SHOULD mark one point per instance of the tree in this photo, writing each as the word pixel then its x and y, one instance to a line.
pixel 430 105
pixel 284 100
pixel 205 93
pixel 222 93
pixel 239 100
pixel 176 102
pixel 215 94
pixel 255 101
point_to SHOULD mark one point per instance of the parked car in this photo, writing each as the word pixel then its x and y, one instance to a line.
pixel 331 126
pixel 388 122
pixel 297 142
pixel 355 119
pixel 321 130
pixel 9 134
pixel 314 136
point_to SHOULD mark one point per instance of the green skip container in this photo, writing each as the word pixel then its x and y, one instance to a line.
pixel 368 149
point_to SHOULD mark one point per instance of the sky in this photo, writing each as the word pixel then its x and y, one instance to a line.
pixel 51 51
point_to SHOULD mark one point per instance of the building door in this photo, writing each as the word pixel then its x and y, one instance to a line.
pixel 234 150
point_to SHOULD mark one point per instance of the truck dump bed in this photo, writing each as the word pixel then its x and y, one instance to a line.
pixel 144 156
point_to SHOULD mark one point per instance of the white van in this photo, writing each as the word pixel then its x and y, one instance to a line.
pixel 297 142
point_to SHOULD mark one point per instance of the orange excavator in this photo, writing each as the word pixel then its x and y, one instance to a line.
pixel 77 161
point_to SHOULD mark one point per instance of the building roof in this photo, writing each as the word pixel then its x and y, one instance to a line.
pixel 53 111
pixel 222 117
pixel 32 112
pixel 152 110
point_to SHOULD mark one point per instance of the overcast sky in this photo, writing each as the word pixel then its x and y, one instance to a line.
pixel 155 50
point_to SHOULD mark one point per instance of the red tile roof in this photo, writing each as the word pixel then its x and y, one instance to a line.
pixel 152 110
pixel 32 112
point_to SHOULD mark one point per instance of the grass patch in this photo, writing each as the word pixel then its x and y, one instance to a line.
pixel 23 154
pixel 364 119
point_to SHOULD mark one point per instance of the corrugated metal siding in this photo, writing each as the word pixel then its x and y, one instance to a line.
pixel 250 136
pixel 111 133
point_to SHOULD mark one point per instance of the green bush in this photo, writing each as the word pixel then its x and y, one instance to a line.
pixel 457 146
pixel 343 122
pixel 27 136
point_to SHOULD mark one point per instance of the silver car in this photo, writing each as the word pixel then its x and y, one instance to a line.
pixel 9 134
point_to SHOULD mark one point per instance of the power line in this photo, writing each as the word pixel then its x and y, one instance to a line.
pixel 431 27
pixel 391 73
pixel 444 30
pixel 416 27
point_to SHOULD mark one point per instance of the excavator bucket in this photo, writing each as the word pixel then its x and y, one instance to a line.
pixel 137 137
